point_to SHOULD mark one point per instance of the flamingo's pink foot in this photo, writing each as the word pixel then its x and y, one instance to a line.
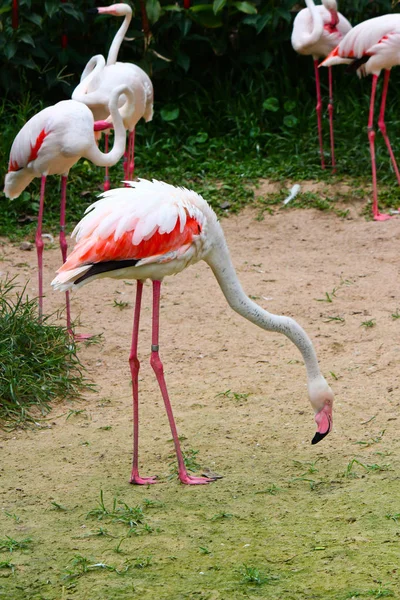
pixel 383 217
pixel 190 480
pixel 136 480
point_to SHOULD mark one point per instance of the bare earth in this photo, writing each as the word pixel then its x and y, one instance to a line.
pixel 310 521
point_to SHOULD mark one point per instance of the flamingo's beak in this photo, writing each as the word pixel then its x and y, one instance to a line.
pixel 323 420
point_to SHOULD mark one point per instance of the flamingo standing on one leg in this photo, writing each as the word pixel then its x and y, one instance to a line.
pixel 99 78
pixel 371 46
pixel 148 231
pixel 316 31
pixel 50 143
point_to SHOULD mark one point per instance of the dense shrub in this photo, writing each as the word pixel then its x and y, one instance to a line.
pixel 239 40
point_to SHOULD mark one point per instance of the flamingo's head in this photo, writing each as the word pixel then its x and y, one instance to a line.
pixel 330 4
pixel 117 10
pixel 321 398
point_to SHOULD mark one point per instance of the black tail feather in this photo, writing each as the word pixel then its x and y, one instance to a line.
pixel 104 267
pixel 357 63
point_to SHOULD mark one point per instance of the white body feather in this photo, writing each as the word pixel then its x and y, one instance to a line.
pixel 379 38
pixel 309 35
pixel 69 135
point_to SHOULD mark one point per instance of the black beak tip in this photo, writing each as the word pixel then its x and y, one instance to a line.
pixel 318 437
pixel 92 11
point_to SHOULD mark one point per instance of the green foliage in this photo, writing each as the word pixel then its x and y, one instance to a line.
pixel 38 362
pixel 210 39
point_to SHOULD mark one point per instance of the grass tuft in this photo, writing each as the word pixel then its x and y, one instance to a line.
pixel 38 361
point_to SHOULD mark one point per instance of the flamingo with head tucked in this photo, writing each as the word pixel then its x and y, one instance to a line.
pixel 371 46
pixel 316 31
pixel 101 77
pixel 150 230
pixel 50 143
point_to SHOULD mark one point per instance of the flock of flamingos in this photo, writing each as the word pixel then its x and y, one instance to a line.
pixel 148 230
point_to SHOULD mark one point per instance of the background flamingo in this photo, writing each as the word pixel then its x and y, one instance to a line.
pixel 100 78
pixel 316 31
pixel 371 46
pixel 148 231
pixel 50 143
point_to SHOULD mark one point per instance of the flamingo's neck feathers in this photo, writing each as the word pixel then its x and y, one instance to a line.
pixel 95 65
pixel 109 159
pixel 312 37
pixel 221 264
pixel 118 39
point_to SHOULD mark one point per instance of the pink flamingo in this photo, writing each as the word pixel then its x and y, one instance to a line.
pixel 316 31
pixel 150 230
pixel 371 46
pixel 50 143
pixel 100 78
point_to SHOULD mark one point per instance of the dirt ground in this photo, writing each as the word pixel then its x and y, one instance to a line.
pixel 288 520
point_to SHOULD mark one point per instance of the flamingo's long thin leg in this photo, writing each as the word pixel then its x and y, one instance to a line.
pixel 135 366
pixel 382 125
pixel 126 162
pixel 63 241
pixel 330 110
pixel 131 155
pixel 107 184
pixel 371 136
pixel 318 108
pixel 159 371
pixel 39 244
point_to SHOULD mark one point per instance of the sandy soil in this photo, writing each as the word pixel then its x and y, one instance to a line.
pixel 290 263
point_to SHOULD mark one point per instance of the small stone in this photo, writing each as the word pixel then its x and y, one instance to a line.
pixel 26 246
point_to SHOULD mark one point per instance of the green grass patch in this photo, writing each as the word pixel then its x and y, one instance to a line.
pixel 38 361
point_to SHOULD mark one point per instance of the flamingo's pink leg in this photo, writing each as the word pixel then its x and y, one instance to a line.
pixel 131 155
pixel 371 136
pixel 63 241
pixel 318 108
pixel 135 366
pixel 330 110
pixel 106 177
pixel 159 371
pixel 39 245
pixel 382 125
pixel 126 162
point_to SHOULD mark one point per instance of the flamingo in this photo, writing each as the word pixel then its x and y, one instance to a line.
pixel 150 230
pixel 99 78
pixel 371 46
pixel 50 143
pixel 316 31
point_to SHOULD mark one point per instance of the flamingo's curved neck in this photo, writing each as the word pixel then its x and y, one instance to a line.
pixel 118 39
pixel 318 24
pixel 109 159
pixel 220 262
pixel 95 65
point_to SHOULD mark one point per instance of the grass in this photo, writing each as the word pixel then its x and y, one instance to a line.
pixel 38 361
pixel 120 512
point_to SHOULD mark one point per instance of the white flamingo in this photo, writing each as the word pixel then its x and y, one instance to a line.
pixel 50 143
pixel 371 46
pixel 150 230
pixel 100 78
pixel 316 31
